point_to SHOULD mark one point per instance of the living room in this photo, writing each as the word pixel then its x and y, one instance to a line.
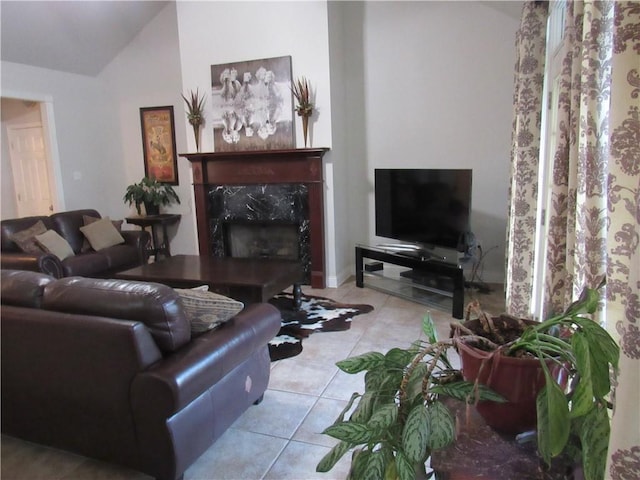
pixel 398 84
pixel 340 47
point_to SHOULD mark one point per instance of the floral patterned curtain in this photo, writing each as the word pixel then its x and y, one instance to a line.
pixel 623 237
pixel 525 152
pixel 594 224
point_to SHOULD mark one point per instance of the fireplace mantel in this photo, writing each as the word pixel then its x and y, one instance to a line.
pixel 293 166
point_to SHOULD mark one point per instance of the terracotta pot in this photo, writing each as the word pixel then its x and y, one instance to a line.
pixel 519 380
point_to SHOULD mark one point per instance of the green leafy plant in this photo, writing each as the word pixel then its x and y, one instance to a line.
pixel 400 418
pixel 150 191
pixel 575 421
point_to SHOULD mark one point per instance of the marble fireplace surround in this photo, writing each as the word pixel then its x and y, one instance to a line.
pixel 293 172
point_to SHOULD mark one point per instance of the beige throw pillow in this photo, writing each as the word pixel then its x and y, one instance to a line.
pixel 88 220
pixel 53 243
pixel 207 310
pixel 102 234
pixel 26 239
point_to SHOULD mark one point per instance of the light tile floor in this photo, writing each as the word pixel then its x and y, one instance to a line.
pixel 280 438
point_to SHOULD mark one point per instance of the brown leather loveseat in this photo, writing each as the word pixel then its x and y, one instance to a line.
pixel 108 369
pixel 85 261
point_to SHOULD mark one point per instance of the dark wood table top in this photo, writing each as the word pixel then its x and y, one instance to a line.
pixel 150 220
pixel 253 279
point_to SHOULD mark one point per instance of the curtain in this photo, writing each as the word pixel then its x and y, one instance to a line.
pixel 525 153
pixel 594 212
pixel 623 238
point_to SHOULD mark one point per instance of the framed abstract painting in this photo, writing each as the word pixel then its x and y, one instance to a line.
pixel 252 105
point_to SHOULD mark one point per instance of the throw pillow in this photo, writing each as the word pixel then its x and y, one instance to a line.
pixel 207 310
pixel 53 243
pixel 87 220
pixel 102 234
pixel 26 239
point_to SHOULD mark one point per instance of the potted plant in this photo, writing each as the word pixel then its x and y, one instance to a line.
pixel 152 194
pixel 400 418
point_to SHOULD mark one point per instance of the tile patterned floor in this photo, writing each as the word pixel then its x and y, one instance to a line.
pixel 280 438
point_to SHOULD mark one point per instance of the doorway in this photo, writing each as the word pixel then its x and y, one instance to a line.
pixel 30 185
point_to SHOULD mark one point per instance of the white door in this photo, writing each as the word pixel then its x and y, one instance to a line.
pixel 30 169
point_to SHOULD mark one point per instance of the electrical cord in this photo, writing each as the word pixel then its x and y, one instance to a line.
pixel 476 281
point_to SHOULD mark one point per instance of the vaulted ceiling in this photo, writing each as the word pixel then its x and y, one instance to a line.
pixel 72 36
pixel 84 36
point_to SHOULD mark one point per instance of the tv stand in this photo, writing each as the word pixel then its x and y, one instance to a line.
pixel 429 280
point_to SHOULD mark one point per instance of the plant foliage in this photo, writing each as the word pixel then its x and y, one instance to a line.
pixel 149 190
pixel 195 108
pixel 400 418
pixel 301 90
pixel 575 420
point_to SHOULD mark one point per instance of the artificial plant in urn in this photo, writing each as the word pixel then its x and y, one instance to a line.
pixel 151 193
pixel 302 92
pixel 195 113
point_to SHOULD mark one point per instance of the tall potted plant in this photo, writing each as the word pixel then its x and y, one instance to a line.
pixel 150 193
pixel 400 417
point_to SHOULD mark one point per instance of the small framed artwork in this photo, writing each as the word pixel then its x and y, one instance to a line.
pixel 159 144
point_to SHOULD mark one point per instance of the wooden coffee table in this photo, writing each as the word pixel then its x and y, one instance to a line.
pixel 250 280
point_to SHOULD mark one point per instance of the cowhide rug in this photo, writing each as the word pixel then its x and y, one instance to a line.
pixel 316 314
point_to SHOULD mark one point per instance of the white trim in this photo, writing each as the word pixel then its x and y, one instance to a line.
pixel 51 144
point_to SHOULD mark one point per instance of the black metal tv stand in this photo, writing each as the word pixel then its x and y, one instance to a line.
pixel 429 281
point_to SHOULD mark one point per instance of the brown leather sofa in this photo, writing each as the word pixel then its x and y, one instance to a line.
pixel 89 263
pixel 108 369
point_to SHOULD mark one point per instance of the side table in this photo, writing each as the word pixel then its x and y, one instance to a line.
pixel 157 222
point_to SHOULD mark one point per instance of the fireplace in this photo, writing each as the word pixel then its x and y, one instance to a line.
pixel 262 204
pixel 261 240
pixel 260 221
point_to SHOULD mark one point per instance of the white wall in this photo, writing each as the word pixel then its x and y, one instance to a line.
pixel 147 74
pixel 408 84
pixel 88 143
pixel 437 86
pixel 214 33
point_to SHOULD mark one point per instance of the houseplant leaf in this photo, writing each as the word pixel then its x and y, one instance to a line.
pixel 414 384
pixel 594 437
pixel 553 420
pixel 397 358
pixel 335 454
pixel 366 361
pixel 440 426
pixel 462 391
pixel 414 434
pixel 404 467
pixel 359 461
pixel 375 466
pixel 582 399
pixel 350 432
pixel 383 418
pixel 363 411
pixel 429 328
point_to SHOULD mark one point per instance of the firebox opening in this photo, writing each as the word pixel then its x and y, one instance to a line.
pixel 262 240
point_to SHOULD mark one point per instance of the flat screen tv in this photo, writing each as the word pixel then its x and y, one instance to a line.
pixel 429 207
